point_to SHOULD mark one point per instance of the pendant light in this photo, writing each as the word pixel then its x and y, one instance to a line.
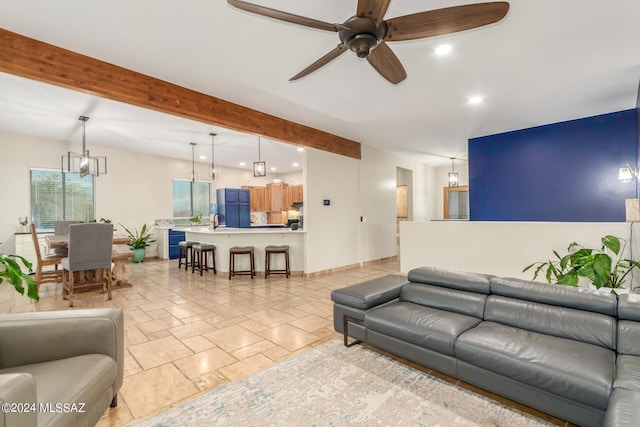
pixel 84 163
pixel 212 172
pixel 259 167
pixel 193 161
pixel 453 175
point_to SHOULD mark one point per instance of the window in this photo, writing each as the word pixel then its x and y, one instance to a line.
pixel 190 200
pixel 58 196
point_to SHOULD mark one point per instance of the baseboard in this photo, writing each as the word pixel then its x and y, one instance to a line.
pixel 349 267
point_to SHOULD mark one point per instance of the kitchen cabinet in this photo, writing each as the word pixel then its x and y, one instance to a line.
pixel 276 192
pixel 296 193
pixel 175 237
pixel 235 207
pixel 257 197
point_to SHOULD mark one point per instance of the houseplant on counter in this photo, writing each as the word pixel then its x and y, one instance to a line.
pixel 139 242
pixel 11 270
pixel 596 265
pixel 196 219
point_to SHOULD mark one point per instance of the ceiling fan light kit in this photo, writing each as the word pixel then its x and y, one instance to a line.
pixel 367 33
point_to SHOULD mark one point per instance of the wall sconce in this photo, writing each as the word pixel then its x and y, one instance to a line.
pixel 259 167
pixel 627 173
pixel 84 164
pixel 453 175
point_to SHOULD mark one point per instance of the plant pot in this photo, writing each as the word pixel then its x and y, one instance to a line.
pixel 138 254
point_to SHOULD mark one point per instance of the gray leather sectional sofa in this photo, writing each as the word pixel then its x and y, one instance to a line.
pixel 60 368
pixel 572 353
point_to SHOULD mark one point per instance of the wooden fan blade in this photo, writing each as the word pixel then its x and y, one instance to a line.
pixel 339 50
pixel 285 16
pixel 387 63
pixel 445 21
pixel 373 9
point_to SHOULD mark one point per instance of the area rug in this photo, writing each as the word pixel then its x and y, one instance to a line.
pixel 332 385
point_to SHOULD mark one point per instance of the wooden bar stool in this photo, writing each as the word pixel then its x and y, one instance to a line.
pixel 272 250
pixel 200 258
pixel 241 250
pixel 185 250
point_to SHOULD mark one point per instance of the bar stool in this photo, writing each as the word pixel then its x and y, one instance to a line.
pixel 241 250
pixel 185 250
pixel 200 251
pixel 272 250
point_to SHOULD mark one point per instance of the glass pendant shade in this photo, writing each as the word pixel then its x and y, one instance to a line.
pixel 625 174
pixel 83 163
pixel 453 175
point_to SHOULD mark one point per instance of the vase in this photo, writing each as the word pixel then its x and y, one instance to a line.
pixel 138 254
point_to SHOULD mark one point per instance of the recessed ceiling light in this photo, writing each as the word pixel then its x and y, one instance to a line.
pixel 243 164
pixel 202 157
pixel 295 165
pixel 474 100
pixel 300 149
pixel 273 169
pixel 443 49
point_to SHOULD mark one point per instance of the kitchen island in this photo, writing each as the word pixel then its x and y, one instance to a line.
pixel 259 238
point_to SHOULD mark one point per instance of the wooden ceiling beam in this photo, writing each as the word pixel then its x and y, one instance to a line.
pixel 41 61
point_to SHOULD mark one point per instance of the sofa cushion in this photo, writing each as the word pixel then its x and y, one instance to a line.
pixel 371 292
pixel 424 326
pixel 473 282
pixel 469 303
pixel 629 337
pixel 80 379
pixel 623 410
pixel 562 296
pixel 563 322
pixel 629 307
pixel 628 372
pixel 577 370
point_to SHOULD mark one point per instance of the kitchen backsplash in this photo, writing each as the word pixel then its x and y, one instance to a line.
pixel 163 223
pixel 258 218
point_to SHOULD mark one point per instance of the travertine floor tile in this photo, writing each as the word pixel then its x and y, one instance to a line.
pixel 204 362
pixel 232 337
pixel 154 389
pixel 289 337
pixel 246 367
pixel 160 351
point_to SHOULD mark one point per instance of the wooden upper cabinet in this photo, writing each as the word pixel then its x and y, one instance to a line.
pixel 296 193
pixel 257 198
pixel 276 191
pixel 288 197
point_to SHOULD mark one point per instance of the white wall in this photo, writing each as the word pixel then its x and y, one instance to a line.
pixel 332 238
pixel 500 248
pixel 441 180
pixel 378 179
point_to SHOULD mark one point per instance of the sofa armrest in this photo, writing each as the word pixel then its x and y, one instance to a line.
pixel 371 293
pixel 18 397
pixel 27 338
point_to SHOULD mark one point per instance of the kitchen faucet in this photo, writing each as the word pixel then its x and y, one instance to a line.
pixel 216 224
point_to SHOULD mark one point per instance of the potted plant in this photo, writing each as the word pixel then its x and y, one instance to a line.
pixel 196 219
pixel 139 242
pixel 24 223
pixel 11 270
pixel 596 265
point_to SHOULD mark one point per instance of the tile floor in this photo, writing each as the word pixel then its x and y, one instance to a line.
pixel 186 334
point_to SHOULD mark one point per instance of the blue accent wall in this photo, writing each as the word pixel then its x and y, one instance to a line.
pixel 560 172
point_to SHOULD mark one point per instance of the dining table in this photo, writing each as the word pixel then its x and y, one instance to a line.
pixel 122 255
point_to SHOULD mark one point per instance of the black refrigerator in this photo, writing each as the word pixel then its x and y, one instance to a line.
pixel 233 204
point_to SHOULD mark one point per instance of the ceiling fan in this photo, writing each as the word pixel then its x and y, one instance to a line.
pixel 367 32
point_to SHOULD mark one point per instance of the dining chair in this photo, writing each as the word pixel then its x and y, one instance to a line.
pixel 87 268
pixel 61 228
pixel 42 275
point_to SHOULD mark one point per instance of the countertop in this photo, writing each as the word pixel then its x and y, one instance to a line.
pixel 225 230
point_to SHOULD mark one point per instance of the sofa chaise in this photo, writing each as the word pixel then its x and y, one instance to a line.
pixel 570 352
pixel 60 368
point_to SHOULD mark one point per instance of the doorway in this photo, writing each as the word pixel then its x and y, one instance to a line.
pixel 404 198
